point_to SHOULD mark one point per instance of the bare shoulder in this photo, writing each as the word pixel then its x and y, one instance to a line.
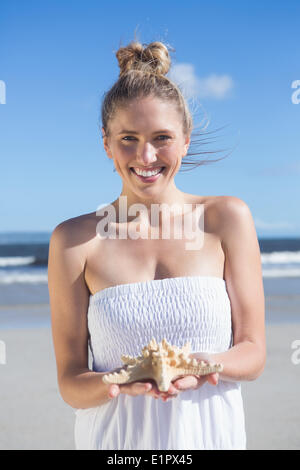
pixel 67 257
pixel 80 222
pixel 232 215
pixel 230 204
pixel 236 221
pixel 75 231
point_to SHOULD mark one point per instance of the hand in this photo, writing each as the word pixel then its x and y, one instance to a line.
pixel 194 382
pixel 143 387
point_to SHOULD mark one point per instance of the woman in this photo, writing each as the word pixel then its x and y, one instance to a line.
pixel 115 293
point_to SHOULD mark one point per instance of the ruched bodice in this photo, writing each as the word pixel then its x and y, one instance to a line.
pixel 123 319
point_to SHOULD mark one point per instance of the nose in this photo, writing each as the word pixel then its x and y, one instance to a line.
pixel 147 154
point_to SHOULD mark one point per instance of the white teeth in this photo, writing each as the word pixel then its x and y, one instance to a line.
pixel 147 173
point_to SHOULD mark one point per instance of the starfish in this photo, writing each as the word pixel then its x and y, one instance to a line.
pixel 162 362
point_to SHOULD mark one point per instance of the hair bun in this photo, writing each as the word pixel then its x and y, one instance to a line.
pixel 153 58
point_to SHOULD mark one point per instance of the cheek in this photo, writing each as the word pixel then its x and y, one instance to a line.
pixel 122 152
pixel 171 152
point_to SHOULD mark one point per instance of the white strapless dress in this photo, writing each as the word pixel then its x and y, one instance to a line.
pixel 123 319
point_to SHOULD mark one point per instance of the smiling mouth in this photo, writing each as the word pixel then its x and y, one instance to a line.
pixel 132 169
pixel 150 178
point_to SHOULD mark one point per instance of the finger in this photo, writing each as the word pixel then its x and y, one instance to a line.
pixel 134 388
pixel 213 379
pixel 201 380
pixel 154 388
pixel 138 388
pixel 156 393
pixel 189 381
pixel 168 397
pixel 173 390
pixel 113 391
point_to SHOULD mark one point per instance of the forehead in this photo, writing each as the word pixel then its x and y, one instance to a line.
pixel 145 114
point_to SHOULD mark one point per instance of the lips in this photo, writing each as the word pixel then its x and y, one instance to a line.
pixel 147 173
pixel 146 169
pixel 148 179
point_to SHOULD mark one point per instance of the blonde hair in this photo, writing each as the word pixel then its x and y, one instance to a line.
pixel 143 70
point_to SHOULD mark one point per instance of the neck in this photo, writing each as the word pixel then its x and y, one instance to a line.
pixel 173 196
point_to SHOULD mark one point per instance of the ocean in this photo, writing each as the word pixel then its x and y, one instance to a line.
pixel 23 278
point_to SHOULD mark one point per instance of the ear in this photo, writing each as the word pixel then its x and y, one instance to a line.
pixel 187 142
pixel 105 143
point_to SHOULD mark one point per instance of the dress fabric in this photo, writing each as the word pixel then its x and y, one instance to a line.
pixel 123 319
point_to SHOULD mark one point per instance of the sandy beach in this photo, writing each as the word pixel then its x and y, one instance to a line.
pixel 34 416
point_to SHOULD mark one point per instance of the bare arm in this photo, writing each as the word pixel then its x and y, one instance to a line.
pixel 69 297
pixel 245 360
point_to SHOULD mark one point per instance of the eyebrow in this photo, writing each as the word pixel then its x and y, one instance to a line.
pixel 124 131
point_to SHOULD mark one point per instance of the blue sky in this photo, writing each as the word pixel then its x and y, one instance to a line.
pixel 238 60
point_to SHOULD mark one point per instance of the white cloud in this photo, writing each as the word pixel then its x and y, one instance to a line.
pixel 213 86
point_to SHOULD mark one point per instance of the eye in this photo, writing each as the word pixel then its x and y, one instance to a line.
pixel 130 137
